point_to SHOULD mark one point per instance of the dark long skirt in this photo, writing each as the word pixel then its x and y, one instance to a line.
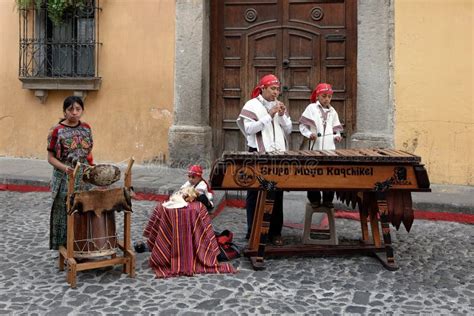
pixel 58 222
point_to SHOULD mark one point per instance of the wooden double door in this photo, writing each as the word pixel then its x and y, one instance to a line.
pixel 303 42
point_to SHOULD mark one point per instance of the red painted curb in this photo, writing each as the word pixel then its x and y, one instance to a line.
pixel 150 197
pixel 230 202
pixel 23 188
pixel 419 214
pixel 443 216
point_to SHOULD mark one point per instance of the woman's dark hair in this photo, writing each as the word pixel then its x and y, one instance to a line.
pixel 71 100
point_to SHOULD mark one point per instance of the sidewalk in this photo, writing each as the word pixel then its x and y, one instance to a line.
pixel 158 181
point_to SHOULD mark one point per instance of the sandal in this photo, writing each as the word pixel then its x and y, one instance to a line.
pixel 277 241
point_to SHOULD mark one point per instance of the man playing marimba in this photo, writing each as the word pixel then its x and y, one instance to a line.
pixel 320 123
pixel 265 124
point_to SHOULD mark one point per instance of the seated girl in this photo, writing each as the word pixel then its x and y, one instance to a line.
pixel 195 180
pixel 181 238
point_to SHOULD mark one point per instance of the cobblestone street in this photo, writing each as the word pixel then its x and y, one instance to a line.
pixel 435 275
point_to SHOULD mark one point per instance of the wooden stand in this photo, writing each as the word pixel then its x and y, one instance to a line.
pixel 66 254
pixel 257 249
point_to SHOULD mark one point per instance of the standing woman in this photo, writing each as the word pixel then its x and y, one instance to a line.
pixel 69 142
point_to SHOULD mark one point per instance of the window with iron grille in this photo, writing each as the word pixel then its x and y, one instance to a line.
pixel 60 53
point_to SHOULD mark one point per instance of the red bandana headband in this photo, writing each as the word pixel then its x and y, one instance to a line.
pixel 195 170
pixel 322 88
pixel 265 81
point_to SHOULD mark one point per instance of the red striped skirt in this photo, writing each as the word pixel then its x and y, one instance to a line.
pixel 182 242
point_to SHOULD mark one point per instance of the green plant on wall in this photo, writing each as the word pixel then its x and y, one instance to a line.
pixel 55 8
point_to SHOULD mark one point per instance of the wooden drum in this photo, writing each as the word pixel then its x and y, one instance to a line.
pixel 94 234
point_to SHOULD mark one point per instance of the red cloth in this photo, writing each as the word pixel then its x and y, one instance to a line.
pixel 182 242
pixel 265 81
pixel 322 88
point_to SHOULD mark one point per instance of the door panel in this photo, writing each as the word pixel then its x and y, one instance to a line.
pixel 300 73
pixel 302 42
pixel 264 54
pixel 318 14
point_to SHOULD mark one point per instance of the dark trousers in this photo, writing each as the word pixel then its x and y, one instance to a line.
pixel 276 222
pixel 315 196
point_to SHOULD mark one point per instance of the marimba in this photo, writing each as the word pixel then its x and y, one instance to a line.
pixel 378 181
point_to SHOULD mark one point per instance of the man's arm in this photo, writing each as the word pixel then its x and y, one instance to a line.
pixel 253 127
pixel 285 123
pixel 305 130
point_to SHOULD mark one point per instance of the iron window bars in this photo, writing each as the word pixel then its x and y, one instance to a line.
pixel 68 49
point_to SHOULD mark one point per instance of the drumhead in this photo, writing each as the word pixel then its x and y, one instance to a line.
pixel 101 174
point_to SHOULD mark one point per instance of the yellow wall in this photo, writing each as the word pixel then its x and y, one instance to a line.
pixel 132 111
pixel 434 86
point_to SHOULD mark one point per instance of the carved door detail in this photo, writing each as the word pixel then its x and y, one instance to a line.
pixel 302 42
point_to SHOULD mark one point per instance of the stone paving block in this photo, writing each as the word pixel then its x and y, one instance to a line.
pixel 435 275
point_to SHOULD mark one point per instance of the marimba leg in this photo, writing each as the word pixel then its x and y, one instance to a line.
pixel 255 230
pixel 364 227
pixel 364 199
pixel 374 224
pixel 260 228
pixel 389 262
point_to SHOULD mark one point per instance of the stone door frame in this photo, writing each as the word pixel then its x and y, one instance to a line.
pixel 190 136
